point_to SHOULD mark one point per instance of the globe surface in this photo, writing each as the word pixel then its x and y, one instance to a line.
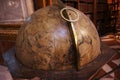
pixel 44 41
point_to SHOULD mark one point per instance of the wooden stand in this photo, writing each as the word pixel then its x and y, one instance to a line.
pixel 86 73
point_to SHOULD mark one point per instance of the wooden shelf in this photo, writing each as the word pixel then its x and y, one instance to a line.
pixel 102 3
pixel 69 0
pixel 86 2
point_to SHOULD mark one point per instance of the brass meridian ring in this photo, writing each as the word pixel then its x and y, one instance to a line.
pixel 73 31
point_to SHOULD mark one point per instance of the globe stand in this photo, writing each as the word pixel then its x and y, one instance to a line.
pixel 85 73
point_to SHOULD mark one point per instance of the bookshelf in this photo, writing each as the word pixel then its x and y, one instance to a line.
pixel 102 20
pixel 113 7
pixel 106 16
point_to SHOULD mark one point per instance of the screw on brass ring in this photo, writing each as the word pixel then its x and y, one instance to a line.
pixel 69 20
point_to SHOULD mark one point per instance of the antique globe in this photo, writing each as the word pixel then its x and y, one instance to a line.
pixel 57 38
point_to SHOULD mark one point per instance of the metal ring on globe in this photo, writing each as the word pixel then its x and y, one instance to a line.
pixel 70 20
